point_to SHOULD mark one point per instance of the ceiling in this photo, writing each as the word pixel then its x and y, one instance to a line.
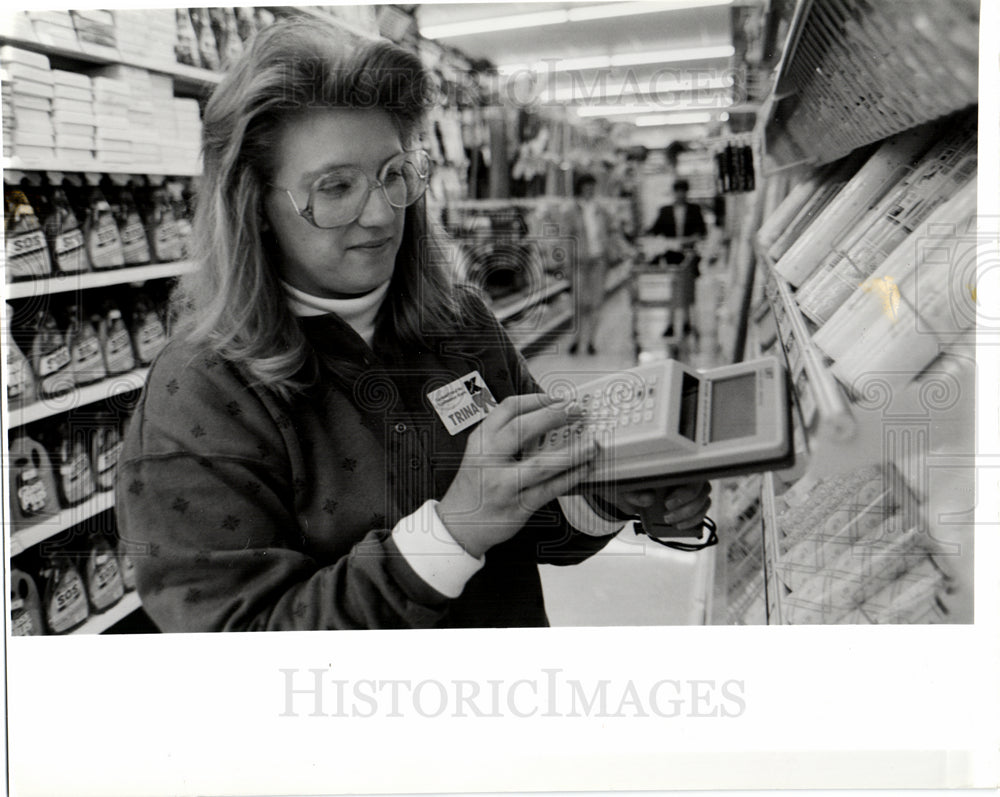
pixel 663 29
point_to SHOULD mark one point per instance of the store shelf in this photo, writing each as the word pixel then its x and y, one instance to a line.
pixel 188 76
pixel 99 167
pixel 81 397
pixel 87 280
pixel 22 539
pixel 823 405
pixel 523 302
pixel 99 623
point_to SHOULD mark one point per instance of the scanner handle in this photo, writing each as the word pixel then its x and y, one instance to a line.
pixel 652 518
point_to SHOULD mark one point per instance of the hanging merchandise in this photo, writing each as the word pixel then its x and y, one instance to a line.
pixel 66 241
pixel 71 458
pixel 20 379
pixel 104 244
pixel 148 334
pixel 734 169
pixel 32 482
pixel 161 227
pixel 105 586
pixel 105 446
pixel 135 247
pixel 226 35
pixel 86 361
pixel 25 606
pixel 208 50
pixel 116 345
pixel 50 357
pixel 65 595
pixel 27 254
pixel 186 47
pixel 246 25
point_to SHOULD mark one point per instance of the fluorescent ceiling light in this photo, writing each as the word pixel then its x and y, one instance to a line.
pixel 538 19
pixel 622 110
pixel 674 119
pixel 587 92
pixel 622 59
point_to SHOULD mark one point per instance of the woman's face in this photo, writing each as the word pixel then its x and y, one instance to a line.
pixel 341 261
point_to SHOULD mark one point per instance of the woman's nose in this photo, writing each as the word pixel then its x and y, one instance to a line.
pixel 376 211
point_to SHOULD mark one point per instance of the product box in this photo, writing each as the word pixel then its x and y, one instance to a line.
pixel 66 106
pixel 66 78
pixel 10 56
pixel 72 93
pixel 110 121
pixel 19 72
pixel 33 153
pixel 82 157
pixel 56 35
pixel 34 138
pixel 29 120
pixel 31 88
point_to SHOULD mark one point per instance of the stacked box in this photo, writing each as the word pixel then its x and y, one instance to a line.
pixel 7 100
pixel 111 102
pixel 28 91
pixel 21 26
pixel 188 139
pixel 95 30
pixel 146 34
pixel 55 28
pixel 73 119
pixel 143 132
pixel 161 96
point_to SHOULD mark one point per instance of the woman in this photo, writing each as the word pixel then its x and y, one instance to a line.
pixel 338 441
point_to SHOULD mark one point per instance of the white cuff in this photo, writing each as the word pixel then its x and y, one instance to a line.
pixel 433 553
pixel 584 519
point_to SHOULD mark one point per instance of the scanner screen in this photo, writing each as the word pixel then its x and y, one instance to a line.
pixel 734 408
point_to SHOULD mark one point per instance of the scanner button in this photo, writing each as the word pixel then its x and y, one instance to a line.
pixel 648 416
pixel 623 421
pixel 636 417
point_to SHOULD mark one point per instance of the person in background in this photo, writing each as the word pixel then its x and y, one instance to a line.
pixel 341 438
pixel 593 231
pixel 683 224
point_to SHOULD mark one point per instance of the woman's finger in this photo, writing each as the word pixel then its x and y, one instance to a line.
pixel 685 494
pixel 544 465
pixel 690 515
pixel 539 494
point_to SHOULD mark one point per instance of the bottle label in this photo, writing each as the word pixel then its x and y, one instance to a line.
pixel 68 606
pixel 118 351
pixel 71 255
pixel 54 361
pixel 75 469
pixel 106 586
pixel 134 245
pixel 108 458
pixel 26 255
pixel 86 351
pixel 151 339
pixel 17 376
pixel 166 241
pixel 21 623
pixel 105 245
pixel 31 493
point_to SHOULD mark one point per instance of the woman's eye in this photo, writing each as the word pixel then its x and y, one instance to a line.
pixel 336 186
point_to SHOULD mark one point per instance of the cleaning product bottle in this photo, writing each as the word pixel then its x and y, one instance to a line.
pixel 179 195
pixel 20 379
pixel 72 460
pixel 104 244
pixel 86 362
pixel 148 333
pixel 161 226
pixel 27 252
pixel 66 242
pixel 127 565
pixel 135 247
pixel 103 576
pixel 32 482
pixel 25 605
pixel 50 357
pixel 64 595
pixel 116 345
pixel 105 445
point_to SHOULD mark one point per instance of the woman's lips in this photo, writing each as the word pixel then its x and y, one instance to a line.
pixel 376 243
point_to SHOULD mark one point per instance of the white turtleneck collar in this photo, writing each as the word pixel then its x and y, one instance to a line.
pixel 359 312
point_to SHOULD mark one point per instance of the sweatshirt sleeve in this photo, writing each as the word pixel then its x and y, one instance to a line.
pixel 206 508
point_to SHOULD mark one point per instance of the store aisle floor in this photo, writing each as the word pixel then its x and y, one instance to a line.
pixel 632 581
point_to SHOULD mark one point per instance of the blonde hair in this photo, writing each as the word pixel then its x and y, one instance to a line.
pixel 235 301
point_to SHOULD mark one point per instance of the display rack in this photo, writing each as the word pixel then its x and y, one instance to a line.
pixel 22 539
pixel 831 96
pixel 99 623
pixel 88 280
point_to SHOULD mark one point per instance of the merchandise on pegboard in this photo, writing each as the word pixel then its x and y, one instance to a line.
pixel 734 168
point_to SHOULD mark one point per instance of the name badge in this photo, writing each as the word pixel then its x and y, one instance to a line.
pixel 462 403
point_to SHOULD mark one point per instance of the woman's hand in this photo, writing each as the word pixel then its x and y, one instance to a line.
pixel 684 506
pixel 501 482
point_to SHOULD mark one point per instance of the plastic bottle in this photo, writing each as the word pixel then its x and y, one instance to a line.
pixel 161 226
pixel 135 247
pixel 72 460
pixel 32 482
pixel 104 244
pixel 86 360
pixel 20 379
pixel 25 606
pixel 66 240
pixel 105 586
pixel 105 445
pixel 148 334
pixel 50 357
pixel 64 596
pixel 180 196
pixel 27 252
pixel 116 345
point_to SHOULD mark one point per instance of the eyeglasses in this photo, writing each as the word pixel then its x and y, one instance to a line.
pixel 339 196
